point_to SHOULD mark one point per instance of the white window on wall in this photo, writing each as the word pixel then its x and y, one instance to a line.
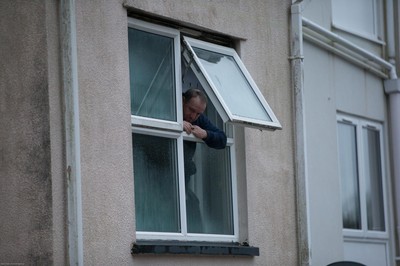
pixel 363 194
pixel 176 200
pixel 360 17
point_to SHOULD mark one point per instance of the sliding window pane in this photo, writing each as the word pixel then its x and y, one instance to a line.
pixel 373 178
pixel 349 176
pixel 152 75
pixel 156 184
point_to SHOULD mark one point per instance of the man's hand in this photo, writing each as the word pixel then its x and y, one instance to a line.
pixel 197 131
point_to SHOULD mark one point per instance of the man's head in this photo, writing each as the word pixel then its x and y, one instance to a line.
pixel 194 104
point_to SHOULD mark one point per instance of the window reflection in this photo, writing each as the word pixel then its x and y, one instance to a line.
pixel 349 176
pixel 373 177
pixel 156 184
pixel 152 76
pixel 209 191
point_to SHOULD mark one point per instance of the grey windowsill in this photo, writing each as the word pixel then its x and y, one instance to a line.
pixel 193 248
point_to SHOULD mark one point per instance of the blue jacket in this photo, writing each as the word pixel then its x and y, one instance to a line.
pixel 216 138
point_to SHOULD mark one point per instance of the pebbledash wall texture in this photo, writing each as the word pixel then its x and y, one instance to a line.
pixel 26 180
pixel 33 176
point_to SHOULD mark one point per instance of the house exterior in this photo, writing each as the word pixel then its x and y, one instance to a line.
pixel 73 146
pixel 93 158
pixel 351 101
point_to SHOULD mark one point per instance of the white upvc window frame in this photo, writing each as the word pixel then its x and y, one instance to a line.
pixel 174 130
pixel 360 124
pixel 375 35
pixel 175 35
pixel 213 91
pixel 184 235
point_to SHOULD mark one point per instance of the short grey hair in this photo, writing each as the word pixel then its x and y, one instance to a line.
pixel 191 93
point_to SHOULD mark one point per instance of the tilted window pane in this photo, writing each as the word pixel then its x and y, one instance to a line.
pixel 373 178
pixel 208 189
pixel 232 85
pixel 349 176
pixel 156 184
pixel 152 82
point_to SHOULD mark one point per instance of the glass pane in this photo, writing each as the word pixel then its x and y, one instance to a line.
pixel 208 189
pixel 355 15
pixel 152 75
pixel 232 85
pixel 189 81
pixel 156 184
pixel 373 178
pixel 349 176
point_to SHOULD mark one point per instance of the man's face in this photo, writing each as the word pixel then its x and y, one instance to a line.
pixel 192 109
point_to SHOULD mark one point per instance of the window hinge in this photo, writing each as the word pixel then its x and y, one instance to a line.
pixel 371 127
pixel 347 121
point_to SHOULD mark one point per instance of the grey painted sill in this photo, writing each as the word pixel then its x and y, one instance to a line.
pixel 193 248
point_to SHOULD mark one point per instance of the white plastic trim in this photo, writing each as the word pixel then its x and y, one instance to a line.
pixel 349 45
pixel 72 132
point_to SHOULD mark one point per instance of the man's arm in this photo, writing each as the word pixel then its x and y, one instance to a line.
pixel 215 138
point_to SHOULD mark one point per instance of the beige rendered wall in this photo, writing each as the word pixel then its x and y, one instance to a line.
pixel 32 220
pixel 106 149
pixel 108 207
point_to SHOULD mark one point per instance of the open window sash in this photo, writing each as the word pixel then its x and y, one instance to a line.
pixel 228 84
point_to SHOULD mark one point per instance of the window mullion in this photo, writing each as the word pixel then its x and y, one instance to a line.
pixel 182 189
pixel 383 173
pixel 234 190
pixel 361 178
pixel 178 80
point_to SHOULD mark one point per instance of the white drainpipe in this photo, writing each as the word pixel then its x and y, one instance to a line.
pixel 296 41
pixel 392 88
pixel 72 131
